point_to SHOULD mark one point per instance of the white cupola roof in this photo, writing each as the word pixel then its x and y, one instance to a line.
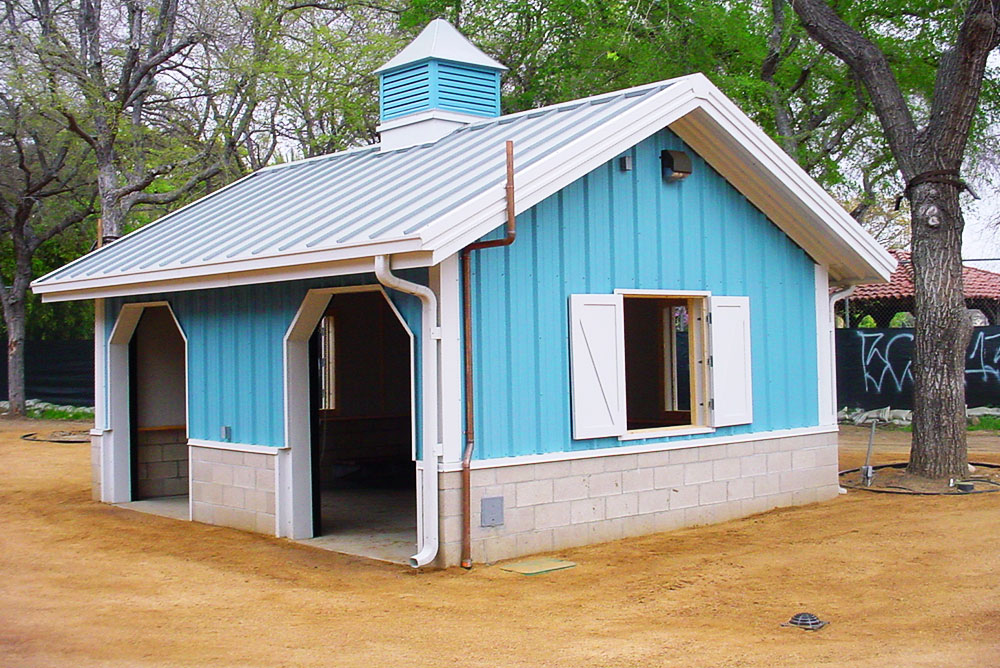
pixel 438 83
pixel 442 41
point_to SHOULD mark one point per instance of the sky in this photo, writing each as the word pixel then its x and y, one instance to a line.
pixel 982 227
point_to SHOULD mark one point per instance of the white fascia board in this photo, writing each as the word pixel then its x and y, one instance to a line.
pixel 181 281
pixel 268 262
pixel 559 169
pixel 42 279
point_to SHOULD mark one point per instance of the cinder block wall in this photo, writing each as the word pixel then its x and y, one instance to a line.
pixel 555 505
pixel 95 467
pixel 162 463
pixel 233 489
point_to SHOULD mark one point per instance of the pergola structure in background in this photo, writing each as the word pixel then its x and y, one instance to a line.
pixel 892 305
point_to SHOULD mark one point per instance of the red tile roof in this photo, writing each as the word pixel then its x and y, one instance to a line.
pixel 978 282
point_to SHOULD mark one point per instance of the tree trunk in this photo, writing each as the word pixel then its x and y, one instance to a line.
pixel 14 318
pixel 943 330
pixel 112 214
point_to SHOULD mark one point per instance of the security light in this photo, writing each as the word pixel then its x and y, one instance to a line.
pixel 676 165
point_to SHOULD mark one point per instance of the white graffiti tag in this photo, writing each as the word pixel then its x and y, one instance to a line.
pixel 875 362
pixel 980 343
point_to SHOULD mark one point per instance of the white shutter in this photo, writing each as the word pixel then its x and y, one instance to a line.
pixel 729 336
pixel 597 365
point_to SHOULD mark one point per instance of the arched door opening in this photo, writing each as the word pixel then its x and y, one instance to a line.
pixel 361 402
pixel 158 447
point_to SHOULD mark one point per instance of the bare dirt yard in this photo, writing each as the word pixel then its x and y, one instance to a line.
pixel 903 580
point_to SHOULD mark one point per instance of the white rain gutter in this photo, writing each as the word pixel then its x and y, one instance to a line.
pixel 430 342
pixel 840 294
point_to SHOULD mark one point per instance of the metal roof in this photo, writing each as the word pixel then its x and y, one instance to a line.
pixel 350 198
pixel 441 40
pixel 332 214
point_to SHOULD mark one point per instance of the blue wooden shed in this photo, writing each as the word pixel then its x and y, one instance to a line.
pixel 625 328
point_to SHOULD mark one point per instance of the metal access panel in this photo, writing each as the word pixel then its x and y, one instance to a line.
pixel 491 511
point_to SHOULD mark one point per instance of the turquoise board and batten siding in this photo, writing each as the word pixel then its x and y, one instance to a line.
pixel 235 341
pixel 614 229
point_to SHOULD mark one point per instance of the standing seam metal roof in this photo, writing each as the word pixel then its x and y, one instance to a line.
pixel 350 198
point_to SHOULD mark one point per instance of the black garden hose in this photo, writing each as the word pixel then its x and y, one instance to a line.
pixel 903 490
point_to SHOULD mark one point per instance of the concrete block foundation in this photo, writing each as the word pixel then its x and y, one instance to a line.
pixel 554 505
pixel 232 488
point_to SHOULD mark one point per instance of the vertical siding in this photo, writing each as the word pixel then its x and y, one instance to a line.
pixel 236 351
pixel 614 229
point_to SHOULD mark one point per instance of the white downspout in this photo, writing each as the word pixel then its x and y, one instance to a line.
pixel 430 339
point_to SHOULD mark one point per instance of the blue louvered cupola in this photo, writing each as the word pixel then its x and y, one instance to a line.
pixel 439 82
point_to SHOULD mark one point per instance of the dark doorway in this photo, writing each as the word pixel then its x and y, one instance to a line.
pixel 364 481
pixel 158 407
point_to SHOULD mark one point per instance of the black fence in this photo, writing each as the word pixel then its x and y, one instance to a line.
pixel 875 368
pixel 61 372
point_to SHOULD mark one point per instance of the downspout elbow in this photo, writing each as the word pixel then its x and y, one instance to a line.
pixel 841 294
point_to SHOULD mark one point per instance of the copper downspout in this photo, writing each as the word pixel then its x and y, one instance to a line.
pixel 470 431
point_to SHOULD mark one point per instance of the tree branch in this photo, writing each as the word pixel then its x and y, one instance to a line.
pixel 872 67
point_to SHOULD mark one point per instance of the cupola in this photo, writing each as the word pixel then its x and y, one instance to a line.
pixel 438 83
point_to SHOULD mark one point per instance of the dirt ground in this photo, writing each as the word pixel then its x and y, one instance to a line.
pixel 903 580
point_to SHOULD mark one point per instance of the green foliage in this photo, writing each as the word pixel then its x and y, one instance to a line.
pixel 985 423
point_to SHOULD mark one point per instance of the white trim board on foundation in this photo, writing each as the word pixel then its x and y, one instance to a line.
pixel 237 447
pixel 661 446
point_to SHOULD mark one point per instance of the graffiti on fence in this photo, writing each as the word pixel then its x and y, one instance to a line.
pixel 877 360
pixel 875 368
pixel 984 356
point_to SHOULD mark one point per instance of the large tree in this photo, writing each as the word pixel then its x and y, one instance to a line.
pixel 128 79
pixel 46 188
pixel 928 137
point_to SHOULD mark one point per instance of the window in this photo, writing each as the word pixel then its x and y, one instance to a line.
pixel 664 361
pixel 647 363
pixel 327 364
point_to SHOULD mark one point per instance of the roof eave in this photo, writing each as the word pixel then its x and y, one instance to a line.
pixel 407 254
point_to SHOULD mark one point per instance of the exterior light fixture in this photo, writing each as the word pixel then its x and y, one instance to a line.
pixel 625 163
pixel 676 165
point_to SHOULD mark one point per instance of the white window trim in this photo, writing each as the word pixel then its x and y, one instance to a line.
pixel 705 418
pixel 700 413
pixel 663 293
pixel 656 432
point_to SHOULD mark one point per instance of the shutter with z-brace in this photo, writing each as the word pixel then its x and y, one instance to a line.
pixel 597 365
pixel 732 389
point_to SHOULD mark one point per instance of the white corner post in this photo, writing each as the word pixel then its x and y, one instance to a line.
pixel 430 342
pixel 100 436
pixel 828 367
pixel 293 468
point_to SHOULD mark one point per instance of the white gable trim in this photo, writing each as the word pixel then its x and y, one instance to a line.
pixel 561 168
pixel 729 141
